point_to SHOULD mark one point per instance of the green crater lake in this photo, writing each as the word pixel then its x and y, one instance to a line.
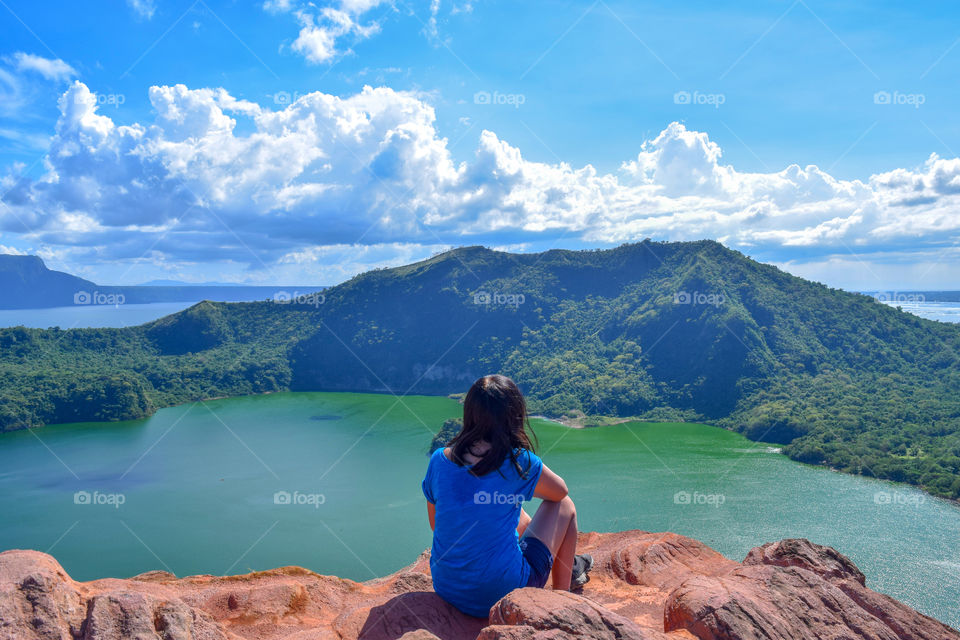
pixel 331 482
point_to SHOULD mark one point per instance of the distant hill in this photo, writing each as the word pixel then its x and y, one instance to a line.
pixel 31 285
pixel 659 331
pixel 26 283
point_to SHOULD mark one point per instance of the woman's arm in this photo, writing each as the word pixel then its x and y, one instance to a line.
pixel 524 521
pixel 550 486
pixel 432 515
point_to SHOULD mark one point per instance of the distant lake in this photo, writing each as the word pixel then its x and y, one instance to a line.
pixel 126 315
pixel 331 482
pixel 93 315
pixel 931 310
pixel 932 305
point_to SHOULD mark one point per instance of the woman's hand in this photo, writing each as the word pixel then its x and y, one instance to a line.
pixel 550 486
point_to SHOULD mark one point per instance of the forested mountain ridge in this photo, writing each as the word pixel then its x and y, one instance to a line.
pixel 654 330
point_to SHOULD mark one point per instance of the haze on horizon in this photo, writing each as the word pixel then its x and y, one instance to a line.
pixel 289 141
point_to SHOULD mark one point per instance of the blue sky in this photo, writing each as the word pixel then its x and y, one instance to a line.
pixel 517 125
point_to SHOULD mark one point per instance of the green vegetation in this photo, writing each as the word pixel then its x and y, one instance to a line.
pixel 448 430
pixel 659 331
pixel 209 350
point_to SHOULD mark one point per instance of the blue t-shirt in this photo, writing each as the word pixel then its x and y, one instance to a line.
pixel 476 558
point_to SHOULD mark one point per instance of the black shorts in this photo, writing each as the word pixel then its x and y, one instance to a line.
pixel 538 556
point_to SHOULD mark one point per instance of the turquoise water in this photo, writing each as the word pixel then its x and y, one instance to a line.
pixel 192 490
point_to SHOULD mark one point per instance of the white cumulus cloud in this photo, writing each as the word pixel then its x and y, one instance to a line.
pixel 327 31
pixel 143 8
pixel 50 68
pixel 328 174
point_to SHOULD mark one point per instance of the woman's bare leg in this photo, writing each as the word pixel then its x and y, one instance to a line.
pixel 555 525
pixel 524 521
pixel 562 572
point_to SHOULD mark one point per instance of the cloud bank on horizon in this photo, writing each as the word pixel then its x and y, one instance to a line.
pixel 366 180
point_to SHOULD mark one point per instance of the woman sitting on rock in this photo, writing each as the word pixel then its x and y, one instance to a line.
pixel 484 543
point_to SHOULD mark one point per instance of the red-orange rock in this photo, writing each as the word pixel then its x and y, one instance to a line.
pixel 797 552
pixel 539 613
pixel 643 585
pixel 37 598
pixel 665 560
pixel 794 589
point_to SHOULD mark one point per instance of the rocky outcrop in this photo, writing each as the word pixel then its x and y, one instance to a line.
pixel 644 586
pixel 538 613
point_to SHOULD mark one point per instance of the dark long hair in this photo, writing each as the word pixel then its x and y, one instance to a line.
pixel 494 411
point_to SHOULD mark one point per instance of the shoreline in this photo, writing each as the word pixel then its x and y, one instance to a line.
pixel 581 422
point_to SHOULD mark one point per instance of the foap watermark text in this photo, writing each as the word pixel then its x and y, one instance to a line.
pixel 299 498
pixel 697 498
pixel 97 498
pixel 686 297
pixel 485 497
pixel 312 299
pixel 98 297
pixel 495 298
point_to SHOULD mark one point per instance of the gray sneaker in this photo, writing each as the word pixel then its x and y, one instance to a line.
pixel 582 564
